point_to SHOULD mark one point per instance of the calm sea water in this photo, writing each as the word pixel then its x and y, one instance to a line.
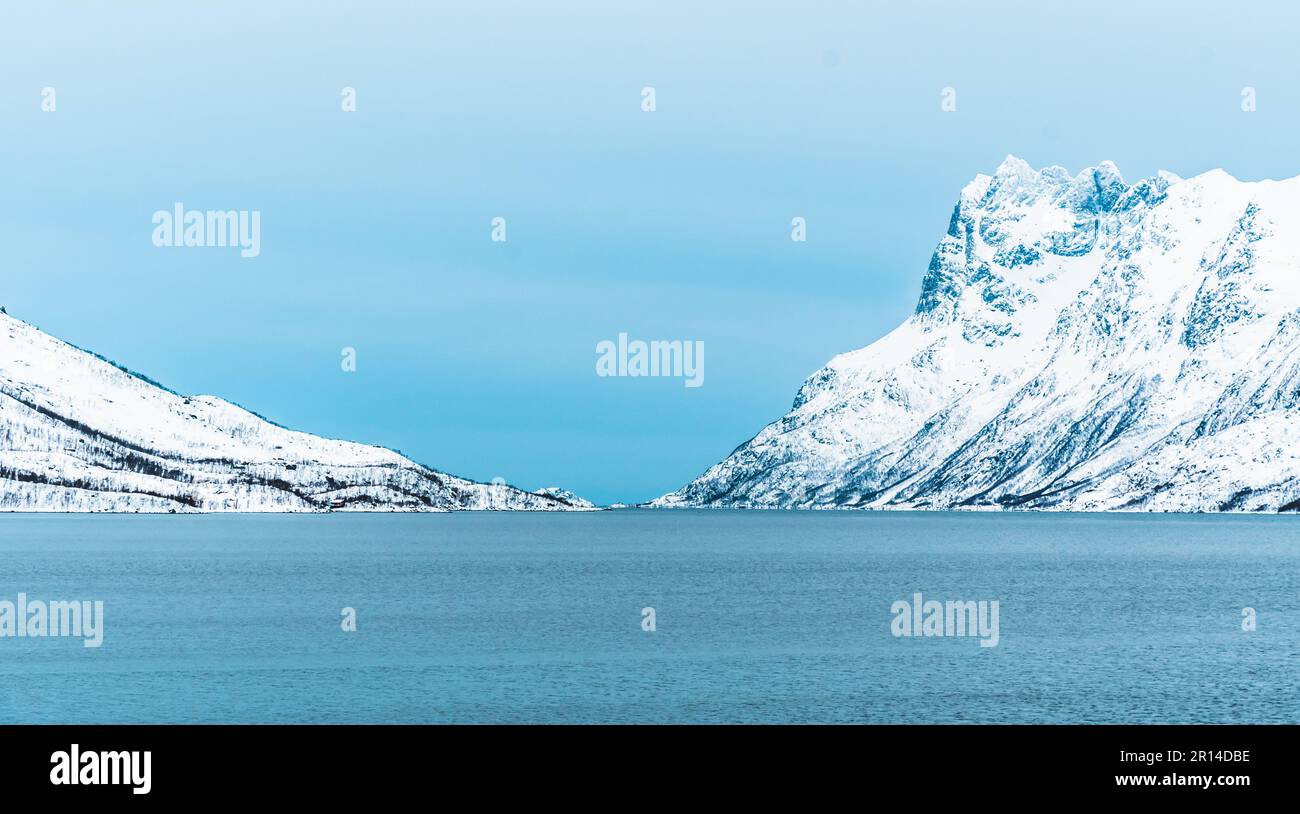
pixel 761 617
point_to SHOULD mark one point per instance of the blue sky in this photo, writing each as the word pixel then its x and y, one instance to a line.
pixel 478 357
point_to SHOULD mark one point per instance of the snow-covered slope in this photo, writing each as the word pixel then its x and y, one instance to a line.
pixel 1080 343
pixel 566 496
pixel 80 434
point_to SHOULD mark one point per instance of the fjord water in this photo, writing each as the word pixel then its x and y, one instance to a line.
pixel 760 616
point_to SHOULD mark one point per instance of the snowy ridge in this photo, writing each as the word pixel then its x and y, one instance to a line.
pixel 78 433
pixel 1080 343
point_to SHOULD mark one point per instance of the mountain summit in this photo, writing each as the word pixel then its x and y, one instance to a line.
pixel 1080 343
pixel 78 433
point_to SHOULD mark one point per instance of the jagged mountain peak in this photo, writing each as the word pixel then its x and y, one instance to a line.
pixel 1014 167
pixel 1079 343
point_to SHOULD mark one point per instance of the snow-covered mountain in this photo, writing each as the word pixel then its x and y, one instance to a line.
pixel 1080 343
pixel 566 496
pixel 78 433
